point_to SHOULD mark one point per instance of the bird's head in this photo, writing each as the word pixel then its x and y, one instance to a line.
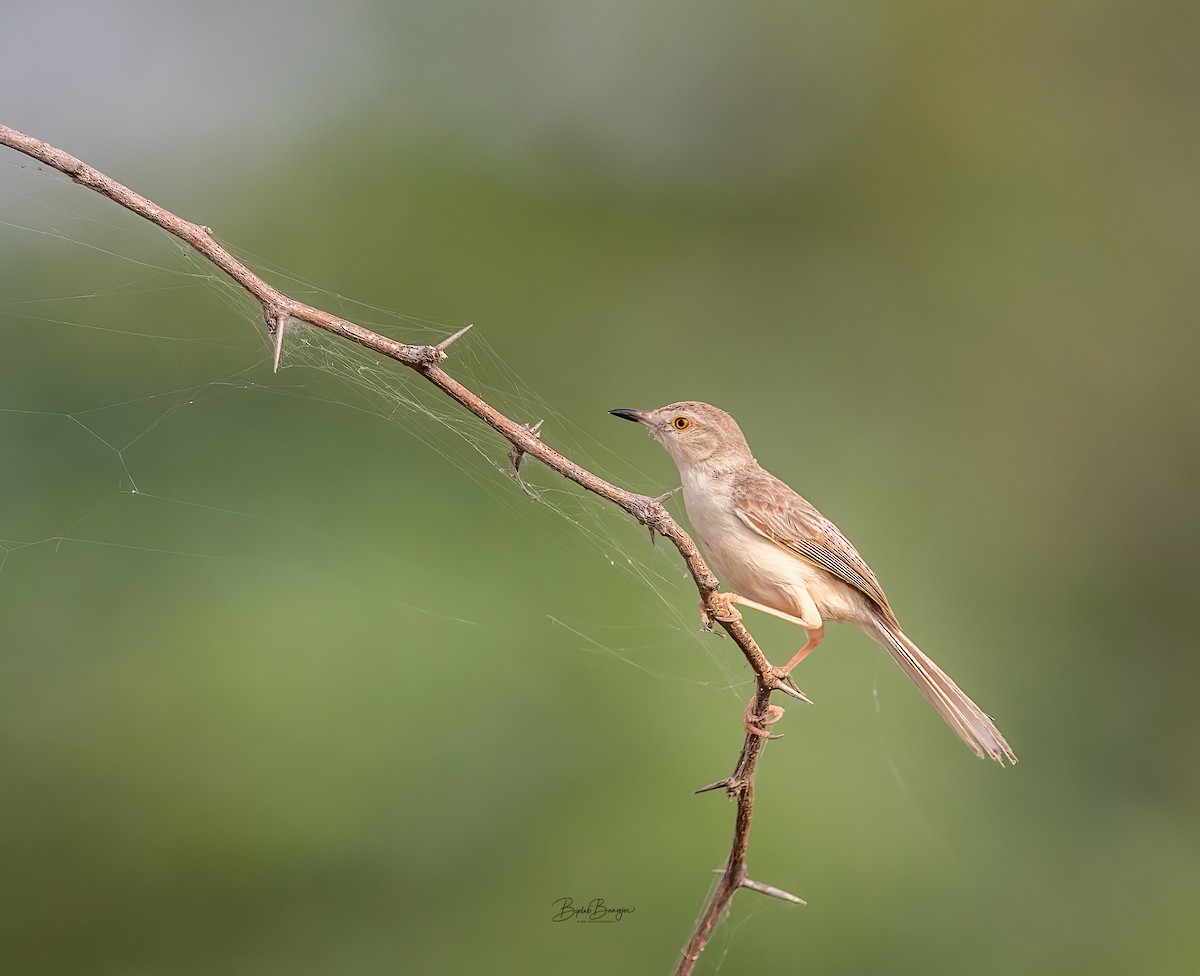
pixel 696 435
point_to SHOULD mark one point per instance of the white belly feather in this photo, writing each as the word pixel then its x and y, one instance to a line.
pixel 747 563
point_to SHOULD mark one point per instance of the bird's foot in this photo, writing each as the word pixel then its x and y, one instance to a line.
pixel 755 727
pixel 728 613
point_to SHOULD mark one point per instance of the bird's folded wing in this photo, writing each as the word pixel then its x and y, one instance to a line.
pixel 775 512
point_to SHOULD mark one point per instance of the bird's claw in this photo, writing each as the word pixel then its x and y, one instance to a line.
pixel 729 613
pixel 726 613
pixel 756 727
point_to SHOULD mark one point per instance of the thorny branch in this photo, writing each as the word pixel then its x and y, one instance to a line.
pixel 279 309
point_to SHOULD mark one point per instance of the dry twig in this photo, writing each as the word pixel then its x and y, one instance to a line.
pixel 279 309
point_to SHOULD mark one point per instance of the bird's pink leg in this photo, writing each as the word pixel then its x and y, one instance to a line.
pixel 814 628
pixel 815 634
pixel 814 638
pixel 727 601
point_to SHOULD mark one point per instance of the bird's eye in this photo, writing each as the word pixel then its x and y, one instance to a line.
pixel 681 423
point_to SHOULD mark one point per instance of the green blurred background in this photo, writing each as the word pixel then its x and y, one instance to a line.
pixel 329 693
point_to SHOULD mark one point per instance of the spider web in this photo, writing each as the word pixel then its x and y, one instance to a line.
pixel 124 345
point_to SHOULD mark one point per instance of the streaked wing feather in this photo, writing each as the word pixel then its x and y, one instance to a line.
pixel 770 508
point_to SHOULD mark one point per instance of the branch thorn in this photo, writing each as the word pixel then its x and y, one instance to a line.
pixel 517 454
pixel 666 496
pixel 659 500
pixel 772 891
pixel 441 346
pixel 788 687
pixel 276 319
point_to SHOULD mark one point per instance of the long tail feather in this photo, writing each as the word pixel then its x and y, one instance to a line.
pixel 961 714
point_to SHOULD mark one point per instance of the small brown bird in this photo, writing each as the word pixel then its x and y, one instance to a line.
pixel 783 557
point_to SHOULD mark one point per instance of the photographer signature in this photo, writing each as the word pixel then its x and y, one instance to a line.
pixel 593 911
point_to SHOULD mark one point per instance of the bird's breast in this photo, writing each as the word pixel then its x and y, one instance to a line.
pixel 754 566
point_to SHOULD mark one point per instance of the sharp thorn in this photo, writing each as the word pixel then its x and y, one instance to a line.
pixel 517 454
pixel 276 321
pixel 788 687
pixel 441 346
pixel 278 346
pixel 718 785
pixel 772 891
pixel 515 457
pixel 668 495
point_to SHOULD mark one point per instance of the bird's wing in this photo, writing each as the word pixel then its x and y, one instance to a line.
pixel 774 511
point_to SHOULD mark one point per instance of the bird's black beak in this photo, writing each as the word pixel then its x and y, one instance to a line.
pixel 637 416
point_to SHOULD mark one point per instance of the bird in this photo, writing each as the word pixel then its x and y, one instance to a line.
pixel 774 552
